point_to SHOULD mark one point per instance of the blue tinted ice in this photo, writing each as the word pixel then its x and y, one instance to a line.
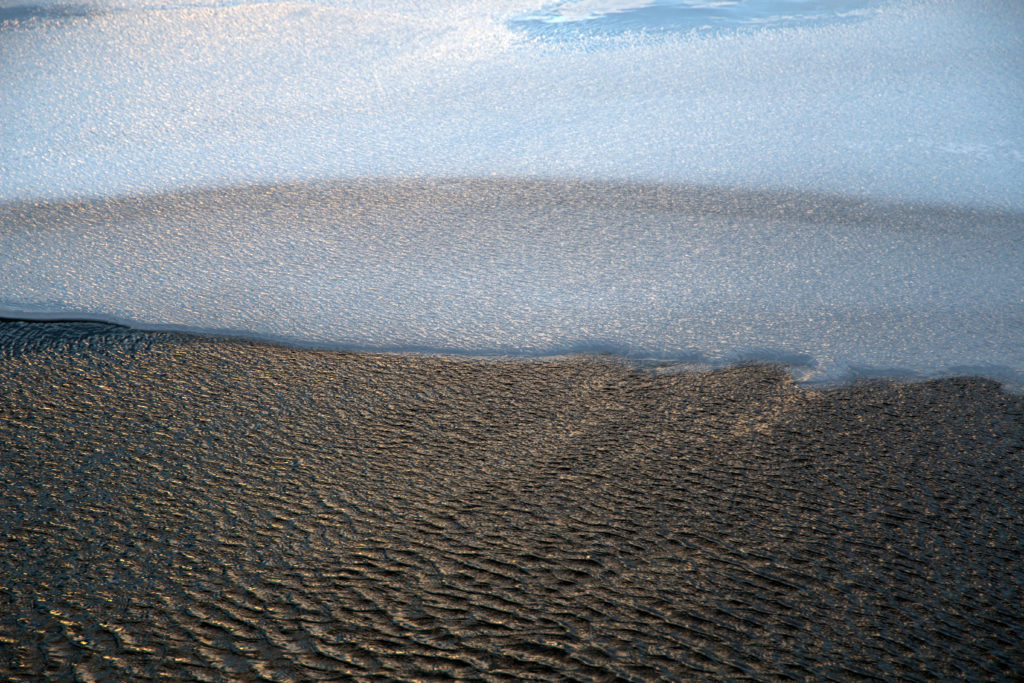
pixel 609 17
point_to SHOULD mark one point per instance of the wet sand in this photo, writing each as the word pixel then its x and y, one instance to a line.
pixel 190 507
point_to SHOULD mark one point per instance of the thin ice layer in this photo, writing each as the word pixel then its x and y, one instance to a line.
pixel 839 289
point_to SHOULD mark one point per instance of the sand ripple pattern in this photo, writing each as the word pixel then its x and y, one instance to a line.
pixel 184 507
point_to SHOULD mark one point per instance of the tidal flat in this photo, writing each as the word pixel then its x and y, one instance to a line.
pixel 192 507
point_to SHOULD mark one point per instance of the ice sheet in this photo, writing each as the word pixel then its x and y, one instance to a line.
pixel 918 101
pixel 836 288
pixel 914 108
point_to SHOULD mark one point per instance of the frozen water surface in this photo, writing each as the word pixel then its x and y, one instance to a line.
pixel 839 289
pixel 637 170
pixel 918 101
pixel 661 16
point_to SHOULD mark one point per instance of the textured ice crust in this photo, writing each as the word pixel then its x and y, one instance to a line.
pixel 836 288
pixel 914 104
pixel 921 100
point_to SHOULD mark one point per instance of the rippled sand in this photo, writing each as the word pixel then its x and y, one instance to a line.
pixel 189 507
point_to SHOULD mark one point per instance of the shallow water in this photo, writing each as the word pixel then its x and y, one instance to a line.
pixel 208 509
